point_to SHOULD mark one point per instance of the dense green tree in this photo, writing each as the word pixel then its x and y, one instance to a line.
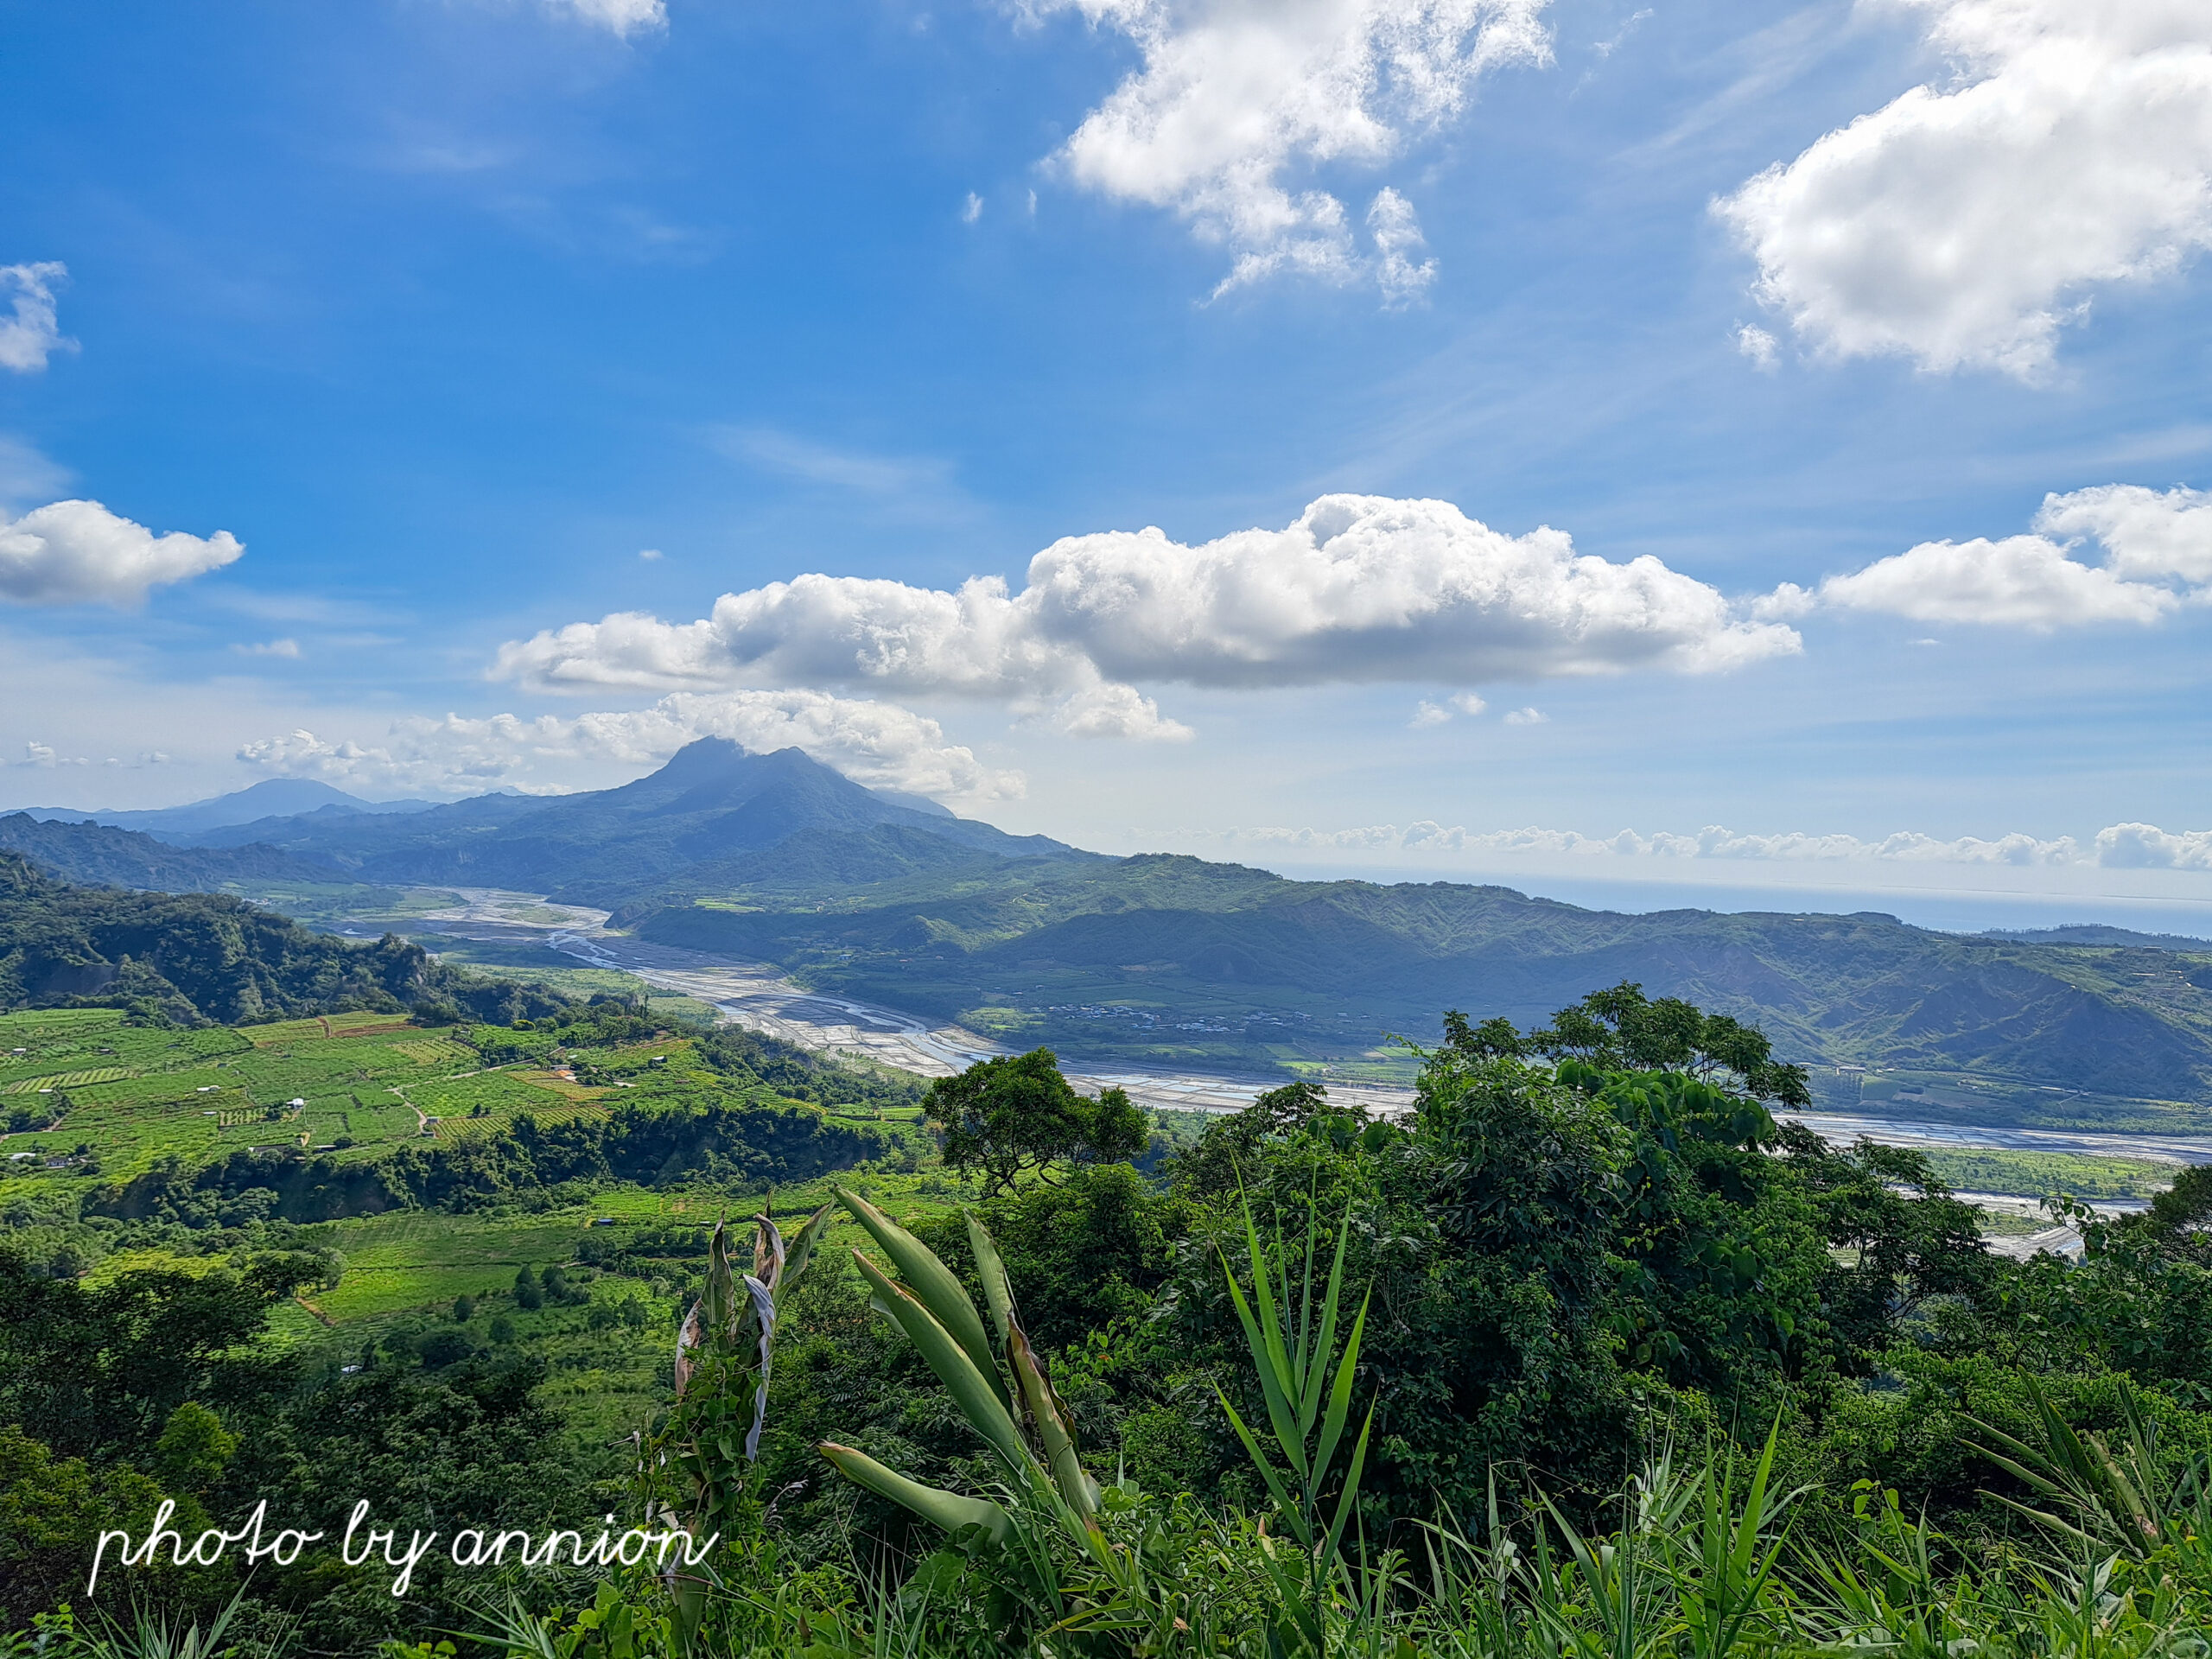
pixel 1622 1030
pixel 1003 1117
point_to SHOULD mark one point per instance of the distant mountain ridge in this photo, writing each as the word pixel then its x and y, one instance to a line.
pixel 273 798
pixel 1157 959
pixel 102 855
pixel 710 815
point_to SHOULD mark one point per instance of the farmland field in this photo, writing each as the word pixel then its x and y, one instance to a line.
pixel 114 1098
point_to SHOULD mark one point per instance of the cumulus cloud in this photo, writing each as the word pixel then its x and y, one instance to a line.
pixel 2148 535
pixel 78 551
pixel 1356 589
pixel 876 744
pixel 1234 102
pixel 31 334
pixel 2123 846
pixel 1426 713
pixel 1964 223
pixel 2156 557
pixel 2022 582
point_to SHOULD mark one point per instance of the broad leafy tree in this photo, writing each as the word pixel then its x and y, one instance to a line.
pixel 1001 1118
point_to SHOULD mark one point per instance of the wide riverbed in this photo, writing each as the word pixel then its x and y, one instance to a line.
pixel 758 997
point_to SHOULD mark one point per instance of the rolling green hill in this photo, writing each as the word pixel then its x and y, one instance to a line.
pixel 1173 957
pixel 193 958
pixel 107 856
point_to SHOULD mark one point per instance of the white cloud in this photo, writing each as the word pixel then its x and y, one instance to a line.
pixel 2123 846
pixel 1233 98
pixel 651 555
pixel 78 551
pixel 1428 713
pixel 32 333
pixel 1399 244
pixel 622 18
pixel 972 209
pixel 1964 223
pixel 2022 582
pixel 1756 344
pixel 1468 703
pixel 270 648
pixel 1527 717
pixel 2147 534
pixel 46 757
pixel 2158 557
pixel 877 744
pixel 1358 589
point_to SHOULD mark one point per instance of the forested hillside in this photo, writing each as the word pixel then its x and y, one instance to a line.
pixel 103 856
pixel 197 958
pixel 1278 965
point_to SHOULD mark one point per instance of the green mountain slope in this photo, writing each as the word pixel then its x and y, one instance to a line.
pixel 194 957
pixel 702 818
pixel 1156 957
pixel 107 856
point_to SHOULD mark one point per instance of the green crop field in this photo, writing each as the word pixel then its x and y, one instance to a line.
pixel 114 1099
pixel 2040 1175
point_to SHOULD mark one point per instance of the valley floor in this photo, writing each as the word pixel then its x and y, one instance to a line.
pixel 763 998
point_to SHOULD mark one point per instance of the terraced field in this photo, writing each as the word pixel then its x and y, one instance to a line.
pixel 110 1099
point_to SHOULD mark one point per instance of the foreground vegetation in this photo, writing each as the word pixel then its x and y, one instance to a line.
pixel 1589 1355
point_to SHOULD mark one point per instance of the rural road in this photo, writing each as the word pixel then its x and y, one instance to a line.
pixel 759 998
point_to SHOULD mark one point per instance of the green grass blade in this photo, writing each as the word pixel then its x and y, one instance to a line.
pixel 1310 1393
pixel 1332 1426
pixel 1348 1499
pixel 1282 1494
pixel 1280 1416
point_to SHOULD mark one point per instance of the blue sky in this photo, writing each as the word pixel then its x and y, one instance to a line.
pixel 447 311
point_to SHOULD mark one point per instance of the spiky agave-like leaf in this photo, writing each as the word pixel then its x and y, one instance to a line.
pixel 1055 1428
pixel 933 1283
pixel 979 1400
pixel 990 1268
pixel 802 1248
pixel 950 1510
